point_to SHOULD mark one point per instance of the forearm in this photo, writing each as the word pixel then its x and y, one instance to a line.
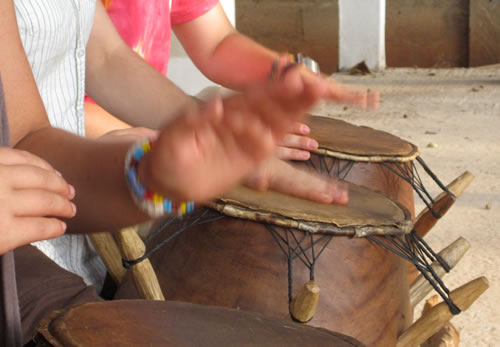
pixel 95 169
pixel 122 83
pixel 238 53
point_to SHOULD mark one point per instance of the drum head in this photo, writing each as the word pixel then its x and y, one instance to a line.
pixel 163 323
pixel 342 140
pixel 367 213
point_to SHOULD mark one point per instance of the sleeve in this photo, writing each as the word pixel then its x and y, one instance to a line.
pixel 187 10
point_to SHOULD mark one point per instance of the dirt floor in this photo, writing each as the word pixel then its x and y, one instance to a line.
pixel 453 116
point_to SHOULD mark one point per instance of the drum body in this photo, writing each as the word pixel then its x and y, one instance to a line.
pixel 153 323
pixel 238 264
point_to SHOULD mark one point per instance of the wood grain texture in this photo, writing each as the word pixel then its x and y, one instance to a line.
pixel 108 250
pixel 431 322
pixel 145 280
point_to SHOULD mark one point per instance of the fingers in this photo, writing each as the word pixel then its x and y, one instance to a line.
pixel 342 94
pixel 31 229
pixel 286 153
pixel 307 185
pixel 300 129
pixel 10 156
pixel 33 177
pixel 299 142
pixel 39 203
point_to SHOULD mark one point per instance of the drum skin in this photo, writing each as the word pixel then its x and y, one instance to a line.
pixel 153 323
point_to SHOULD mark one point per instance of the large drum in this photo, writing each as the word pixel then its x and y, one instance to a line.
pixel 148 323
pixel 278 266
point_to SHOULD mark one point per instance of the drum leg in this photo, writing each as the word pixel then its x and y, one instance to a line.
pixel 145 279
pixel 106 246
pixel 434 320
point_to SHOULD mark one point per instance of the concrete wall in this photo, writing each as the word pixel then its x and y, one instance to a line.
pixel 424 33
pixel 307 26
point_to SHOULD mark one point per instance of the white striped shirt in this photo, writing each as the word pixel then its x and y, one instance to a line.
pixel 54 34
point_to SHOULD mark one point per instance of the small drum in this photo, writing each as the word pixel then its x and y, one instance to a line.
pixel 371 158
pixel 279 265
pixel 153 323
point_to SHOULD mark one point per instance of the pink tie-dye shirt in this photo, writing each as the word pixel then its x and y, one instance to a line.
pixel 145 25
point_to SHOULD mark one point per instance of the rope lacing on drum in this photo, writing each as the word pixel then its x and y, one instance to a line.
pixel 295 248
pixel 194 219
pixel 414 249
pixel 335 168
pixel 408 172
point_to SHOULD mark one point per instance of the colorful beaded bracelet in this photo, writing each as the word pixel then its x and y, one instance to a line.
pixel 152 203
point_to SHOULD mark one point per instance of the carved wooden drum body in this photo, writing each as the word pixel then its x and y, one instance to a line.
pixel 153 323
pixel 276 252
pixel 264 267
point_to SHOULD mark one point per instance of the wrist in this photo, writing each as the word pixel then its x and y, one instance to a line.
pixel 139 177
pixel 286 60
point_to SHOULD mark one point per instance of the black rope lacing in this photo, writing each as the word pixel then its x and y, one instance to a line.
pixel 414 249
pixel 200 217
pixel 293 248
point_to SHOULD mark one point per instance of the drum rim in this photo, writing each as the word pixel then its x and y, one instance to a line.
pixel 234 210
pixel 328 152
pixel 375 158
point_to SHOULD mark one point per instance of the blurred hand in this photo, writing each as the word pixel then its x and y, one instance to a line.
pixel 283 177
pixel 212 148
pixel 32 198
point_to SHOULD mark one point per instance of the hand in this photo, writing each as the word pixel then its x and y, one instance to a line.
pixel 296 145
pixel 206 152
pixel 129 134
pixel 283 177
pixel 31 191
pixel 342 94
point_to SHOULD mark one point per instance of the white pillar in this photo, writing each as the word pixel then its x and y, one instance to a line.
pixel 362 33
pixel 180 68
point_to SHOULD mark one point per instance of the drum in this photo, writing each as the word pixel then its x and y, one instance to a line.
pixel 380 161
pixel 374 159
pixel 153 323
pixel 274 253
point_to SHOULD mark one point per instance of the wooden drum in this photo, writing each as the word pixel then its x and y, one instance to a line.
pixel 273 254
pixel 148 323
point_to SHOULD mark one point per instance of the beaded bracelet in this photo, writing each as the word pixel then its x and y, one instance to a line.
pixel 152 203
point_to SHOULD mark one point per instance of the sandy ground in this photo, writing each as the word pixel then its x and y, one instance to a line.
pixel 459 111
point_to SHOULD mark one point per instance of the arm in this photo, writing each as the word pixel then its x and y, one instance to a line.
pixel 200 154
pixel 221 51
pixel 126 87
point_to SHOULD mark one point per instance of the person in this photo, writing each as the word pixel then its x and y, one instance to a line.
pixel 201 151
pixel 224 55
pixel 123 84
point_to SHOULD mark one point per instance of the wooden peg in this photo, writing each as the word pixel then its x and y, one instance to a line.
pixel 303 306
pixel 448 336
pixel 442 203
pixel 432 321
pixel 106 246
pixel 452 255
pixel 145 279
